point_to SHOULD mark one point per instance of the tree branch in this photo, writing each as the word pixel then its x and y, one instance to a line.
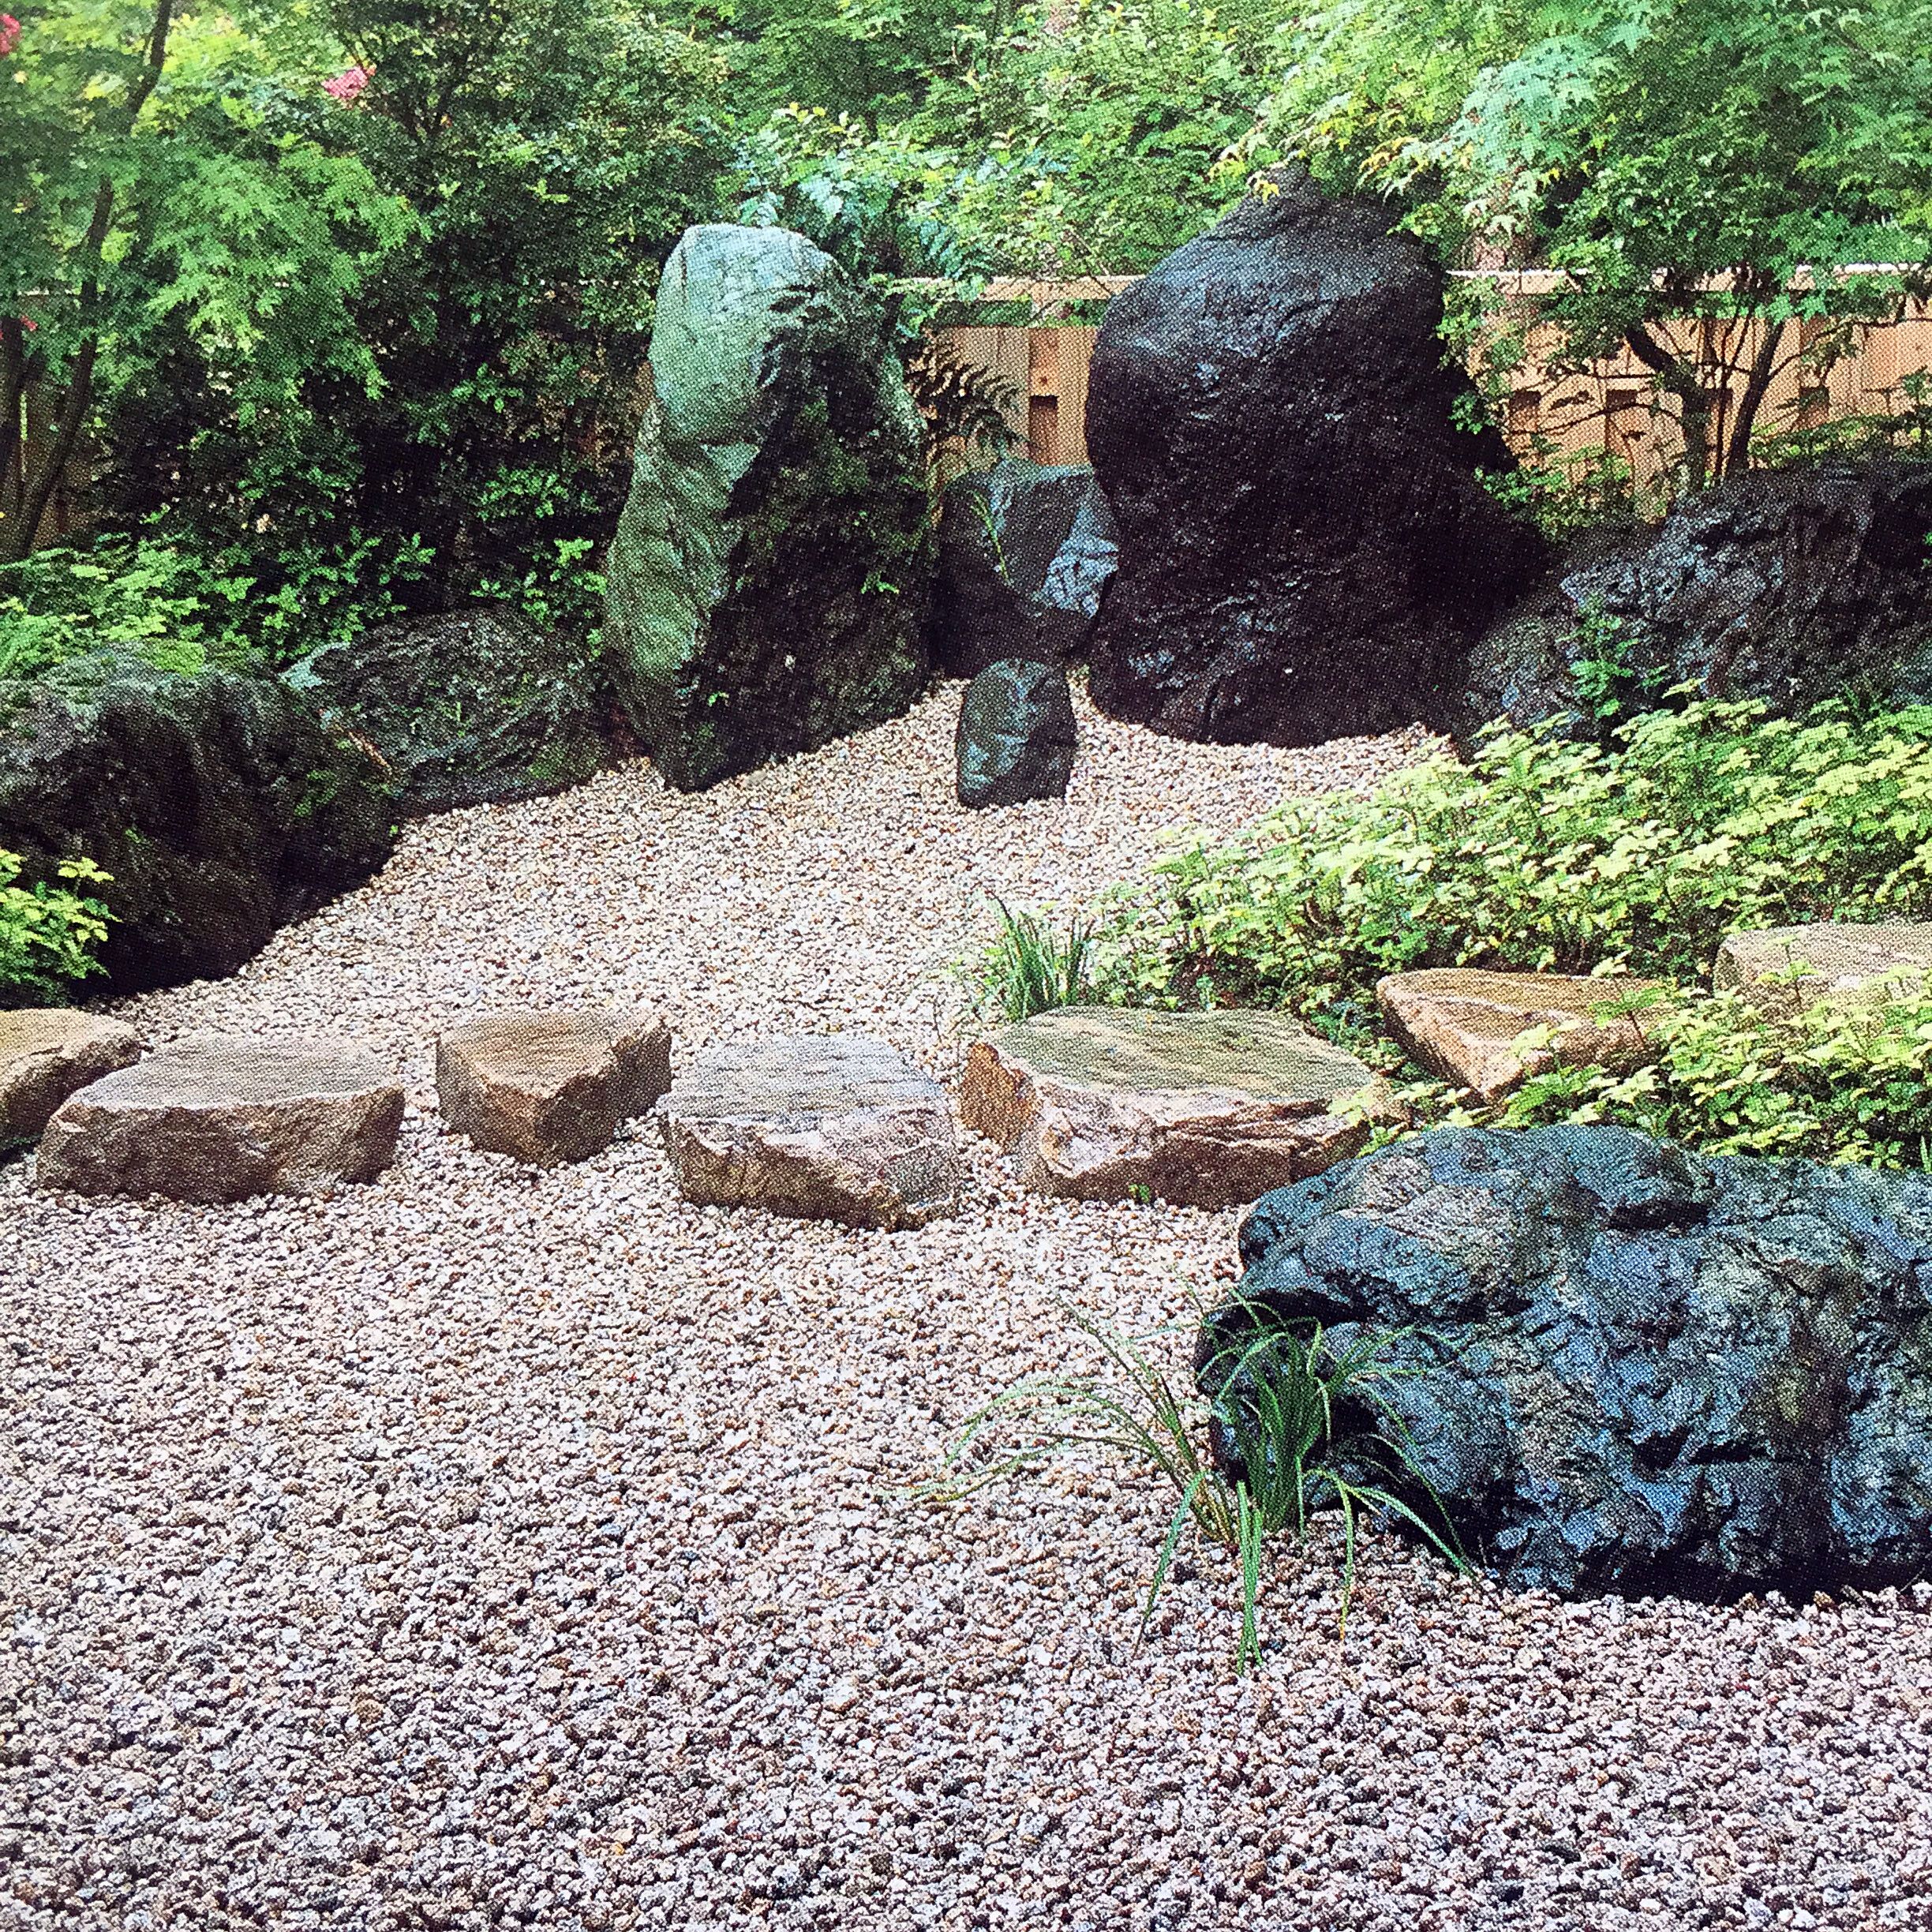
pixel 12 387
pixel 1763 365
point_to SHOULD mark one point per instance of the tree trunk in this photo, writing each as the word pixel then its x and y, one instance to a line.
pixel 16 538
pixel 12 391
pixel 1695 402
pixel 1764 365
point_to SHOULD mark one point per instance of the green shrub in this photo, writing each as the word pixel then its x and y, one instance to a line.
pixel 1824 1080
pixel 152 597
pixel 47 933
pixel 1545 855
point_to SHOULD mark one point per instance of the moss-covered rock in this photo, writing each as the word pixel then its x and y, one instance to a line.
pixel 472 707
pixel 218 801
pixel 771 576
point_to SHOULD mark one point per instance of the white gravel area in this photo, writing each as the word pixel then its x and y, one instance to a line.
pixel 486 1547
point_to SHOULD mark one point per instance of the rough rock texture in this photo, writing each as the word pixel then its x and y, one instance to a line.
pixel 825 1127
pixel 1016 736
pixel 1463 1024
pixel 1790 585
pixel 47 1052
pixel 769 580
pixel 1025 552
pixel 551 1087
pixel 474 707
pixel 1638 1369
pixel 1203 1109
pixel 218 802
pixel 217 1119
pixel 1305 550
pixel 1839 961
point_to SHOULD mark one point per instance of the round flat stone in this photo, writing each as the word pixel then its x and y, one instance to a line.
pixel 1203 1109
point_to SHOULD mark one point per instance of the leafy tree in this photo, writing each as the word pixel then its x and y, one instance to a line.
pixel 156 197
pixel 1678 159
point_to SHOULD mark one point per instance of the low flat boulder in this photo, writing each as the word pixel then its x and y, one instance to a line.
pixel 1462 1024
pixel 1205 1110
pixel 1836 962
pixel 1017 737
pixel 824 1128
pixel 218 1119
pixel 551 1087
pixel 47 1052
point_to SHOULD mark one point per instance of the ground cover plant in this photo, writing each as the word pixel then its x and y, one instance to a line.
pixel 48 932
pixel 1636 854
pixel 1297 1434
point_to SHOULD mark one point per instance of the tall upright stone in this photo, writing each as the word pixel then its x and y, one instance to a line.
pixel 1305 550
pixel 770 574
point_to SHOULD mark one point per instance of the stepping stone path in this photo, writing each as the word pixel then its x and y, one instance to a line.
pixel 47 1052
pixel 836 1128
pixel 1840 961
pixel 551 1087
pixel 1205 1110
pixel 217 1119
pixel 1462 1024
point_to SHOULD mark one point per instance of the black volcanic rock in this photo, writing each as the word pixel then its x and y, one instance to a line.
pixel 1305 550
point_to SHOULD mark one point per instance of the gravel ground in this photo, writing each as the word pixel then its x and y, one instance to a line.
pixel 485 1548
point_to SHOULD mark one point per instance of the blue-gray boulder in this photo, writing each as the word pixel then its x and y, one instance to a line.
pixel 1626 1367
pixel 1025 552
pixel 1016 738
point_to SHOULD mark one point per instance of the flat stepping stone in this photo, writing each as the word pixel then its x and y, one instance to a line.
pixel 1840 962
pixel 47 1052
pixel 551 1087
pixel 218 1119
pixel 824 1128
pixel 1462 1024
pixel 1205 1110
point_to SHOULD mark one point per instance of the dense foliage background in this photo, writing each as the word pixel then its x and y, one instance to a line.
pixel 332 308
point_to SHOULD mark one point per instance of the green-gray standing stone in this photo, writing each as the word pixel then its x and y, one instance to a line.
pixel 769 578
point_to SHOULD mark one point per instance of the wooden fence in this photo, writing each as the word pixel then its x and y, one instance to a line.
pixel 1557 414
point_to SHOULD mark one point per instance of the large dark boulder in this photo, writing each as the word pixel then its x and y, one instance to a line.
pixel 219 801
pixel 1790 585
pixel 473 707
pixel 1635 1368
pixel 1305 550
pixel 1017 737
pixel 769 581
pixel 1025 552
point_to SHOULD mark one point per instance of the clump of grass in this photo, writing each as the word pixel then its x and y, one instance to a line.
pixel 1283 1452
pixel 1030 968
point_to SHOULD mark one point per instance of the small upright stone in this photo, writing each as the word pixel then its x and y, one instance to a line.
pixel 216 1119
pixel 551 1087
pixel 47 1052
pixel 1016 738
pixel 835 1127
pixel 1205 1110
pixel 1463 1023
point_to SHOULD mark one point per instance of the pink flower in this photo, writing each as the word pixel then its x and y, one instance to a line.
pixel 9 34
pixel 347 86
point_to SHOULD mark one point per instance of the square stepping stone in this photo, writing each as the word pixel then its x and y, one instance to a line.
pixel 217 1119
pixel 47 1052
pixel 1205 1110
pixel 1462 1024
pixel 551 1087
pixel 826 1128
